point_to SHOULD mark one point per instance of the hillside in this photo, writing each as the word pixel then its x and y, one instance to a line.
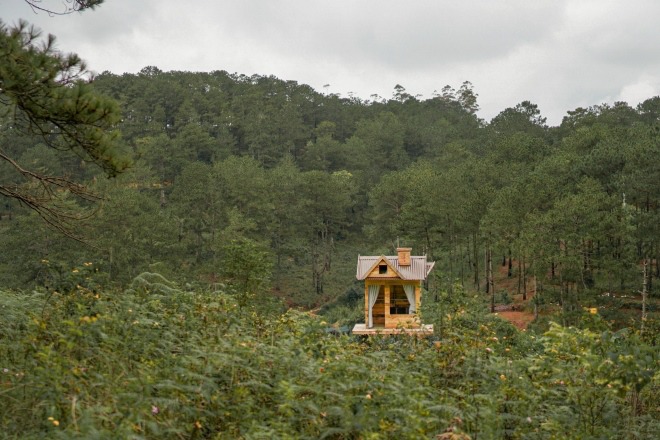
pixel 232 172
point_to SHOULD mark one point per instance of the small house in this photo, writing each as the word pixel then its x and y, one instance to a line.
pixel 392 292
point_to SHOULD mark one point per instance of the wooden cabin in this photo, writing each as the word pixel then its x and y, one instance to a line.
pixel 392 292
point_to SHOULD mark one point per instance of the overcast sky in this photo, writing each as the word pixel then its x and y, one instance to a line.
pixel 559 54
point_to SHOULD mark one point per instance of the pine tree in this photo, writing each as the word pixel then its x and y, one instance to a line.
pixel 45 98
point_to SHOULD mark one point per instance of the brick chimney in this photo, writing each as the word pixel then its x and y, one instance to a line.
pixel 404 256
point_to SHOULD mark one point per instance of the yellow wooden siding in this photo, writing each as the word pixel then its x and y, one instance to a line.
pixel 381 310
pixel 389 274
pixel 403 321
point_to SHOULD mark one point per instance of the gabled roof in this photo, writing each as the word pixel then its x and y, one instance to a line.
pixel 377 262
pixel 418 269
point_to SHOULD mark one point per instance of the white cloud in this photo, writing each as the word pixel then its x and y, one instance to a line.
pixel 557 54
pixel 639 91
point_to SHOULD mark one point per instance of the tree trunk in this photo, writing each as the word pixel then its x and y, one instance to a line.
pixel 467 250
pixel 518 289
pixel 561 291
pixel 524 277
pixel 486 273
pixel 537 291
pixel 645 277
pixel 650 285
pixel 552 269
pixel 451 258
pixel 476 260
pixel 491 286
pixel 468 254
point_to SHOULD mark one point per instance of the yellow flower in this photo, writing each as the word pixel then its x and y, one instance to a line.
pixel 56 423
pixel 198 424
pixel 75 271
pixel 502 377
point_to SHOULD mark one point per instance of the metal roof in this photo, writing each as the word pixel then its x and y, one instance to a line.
pixel 418 270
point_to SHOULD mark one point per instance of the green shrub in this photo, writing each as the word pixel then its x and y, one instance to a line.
pixel 156 361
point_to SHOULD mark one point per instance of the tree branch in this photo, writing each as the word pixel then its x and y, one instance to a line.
pixel 70 6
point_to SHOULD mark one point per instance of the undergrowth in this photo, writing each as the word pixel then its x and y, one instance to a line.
pixel 157 361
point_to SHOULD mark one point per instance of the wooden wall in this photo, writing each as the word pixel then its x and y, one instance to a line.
pixel 381 310
pixel 378 312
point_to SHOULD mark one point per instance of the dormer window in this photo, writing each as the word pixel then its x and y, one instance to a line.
pixel 382 269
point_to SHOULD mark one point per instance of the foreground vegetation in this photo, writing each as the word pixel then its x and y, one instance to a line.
pixel 157 361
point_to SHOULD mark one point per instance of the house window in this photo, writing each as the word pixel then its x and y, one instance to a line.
pixel 399 304
pixel 382 269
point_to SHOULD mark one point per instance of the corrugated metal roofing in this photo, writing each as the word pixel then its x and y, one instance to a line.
pixel 418 270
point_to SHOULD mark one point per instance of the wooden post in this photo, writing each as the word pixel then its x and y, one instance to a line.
pixel 366 303
pixel 387 304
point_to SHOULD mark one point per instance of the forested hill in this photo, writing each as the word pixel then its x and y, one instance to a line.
pixel 268 185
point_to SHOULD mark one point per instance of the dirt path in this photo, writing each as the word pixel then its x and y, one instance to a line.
pixel 515 312
pixel 520 319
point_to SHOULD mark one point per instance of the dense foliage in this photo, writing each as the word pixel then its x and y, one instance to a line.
pixel 310 180
pixel 156 361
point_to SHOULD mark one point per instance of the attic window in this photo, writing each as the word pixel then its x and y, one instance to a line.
pixel 382 269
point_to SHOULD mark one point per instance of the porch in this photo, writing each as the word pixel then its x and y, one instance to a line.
pixel 423 330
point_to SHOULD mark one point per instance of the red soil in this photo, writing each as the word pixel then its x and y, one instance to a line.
pixel 515 312
pixel 520 319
